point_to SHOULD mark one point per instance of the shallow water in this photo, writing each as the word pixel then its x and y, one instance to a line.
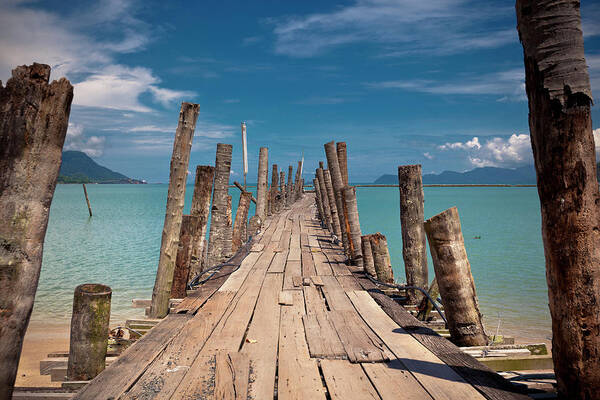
pixel 119 246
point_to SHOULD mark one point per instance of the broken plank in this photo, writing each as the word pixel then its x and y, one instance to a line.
pixel 292 268
pixel 297 281
pixel 321 337
pixel 348 381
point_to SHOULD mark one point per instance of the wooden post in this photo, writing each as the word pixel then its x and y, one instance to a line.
pixel 87 199
pixel 217 246
pixel 354 224
pixel 320 210
pixel 89 331
pixel 367 253
pixel 426 306
pixel 201 209
pixel 34 117
pixel 322 165
pixel 289 189
pixel 175 201
pixel 381 258
pixel 414 247
pixel 254 225
pixel 261 186
pixel 229 232
pixel 325 199
pixel 273 192
pixel 335 220
pixel 297 189
pixel 342 155
pixel 453 275
pixel 281 202
pixel 241 219
pixel 189 225
pixel 560 123
pixel 333 166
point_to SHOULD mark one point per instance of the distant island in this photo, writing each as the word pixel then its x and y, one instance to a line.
pixel 78 167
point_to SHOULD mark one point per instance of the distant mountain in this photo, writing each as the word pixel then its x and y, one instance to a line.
pixel 78 167
pixel 477 176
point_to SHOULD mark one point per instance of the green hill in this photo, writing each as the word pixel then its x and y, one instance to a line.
pixel 78 167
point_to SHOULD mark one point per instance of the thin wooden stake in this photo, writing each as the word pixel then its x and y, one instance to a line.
pixel 87 200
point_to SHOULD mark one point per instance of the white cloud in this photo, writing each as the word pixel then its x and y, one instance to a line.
pixel 93 146
pixel 214 130
pixel 434 26
pixel 152 128
pixel 428 156
pixel 496 152
pixel 596 133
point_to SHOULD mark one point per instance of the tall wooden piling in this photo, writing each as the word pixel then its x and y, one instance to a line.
pixel 201 209
pixel 218 248
pixel 87 199
pixel 189 225
pixel 453 275
pixel 335 220
pixel 328 219
pixel 414 245
pixel 289 199
pixel 381 258
pixel 333 166
pixel 351 207
pixel 241 218
pixel 367 253
pixel 560 123
pixel 89 331
pixel 175 201
pixel 273 191
pixel 342 154
pixel 281 201
pixel 261 186
pixel 297 182
pixel 229 232
pixel 318 201
pixel 33 123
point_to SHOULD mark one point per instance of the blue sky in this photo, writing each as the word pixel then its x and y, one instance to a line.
pixel 438 83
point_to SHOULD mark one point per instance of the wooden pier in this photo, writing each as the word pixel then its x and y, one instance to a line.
pixel 288 319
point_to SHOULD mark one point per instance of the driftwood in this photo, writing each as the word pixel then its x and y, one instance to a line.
pixel 33 123
pixel 89 331
pixel 414 245
pixel 261 186
pixel 218 248
pixel 203 186
pixel 175 202
pixel 559 93
pixel 453 275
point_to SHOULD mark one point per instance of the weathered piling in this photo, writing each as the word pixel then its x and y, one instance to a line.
pixel 218 247
pixel 297 182
pixel 455 282
pixel 229 231
pixel 261 186
pixel 175 201
pixel 34 117
pixel 241 218
pixel 342 154
pixel 320 210
pixel 87 199
pixel 335 220
pixel 560 99
pixel 289 188
pixel 367 253
pixel 273 191
pixel 89 331
pixel 351 207
pixel 381 258
pixel 281 201
pixel 201 209
pixel 328 219
pixel 254 225
pixel 414 245
pixel 189 226
pixel 333 166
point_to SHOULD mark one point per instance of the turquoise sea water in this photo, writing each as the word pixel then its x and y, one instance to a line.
pixel 119 246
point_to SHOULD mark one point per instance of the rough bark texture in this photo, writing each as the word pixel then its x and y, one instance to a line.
pixel 228 252
pixel 453 274
pixel 89 331
pixel 289 198
pixel 261 186
pixel 254 225
pixel 33 122
pixel 342 155
pixel 217 246
pixel 273 194
pixel 241 218
pixel 200 208
pixel 354 224
pixel 328 219
pixel 333 166
pixel 559 93
pixel 318 201
pixel 281 200
pixel 189 225
pixel 381 258
pixel 414 245
pixel 335 220
pixel 297 182
pixel 367 253
pixel 175 202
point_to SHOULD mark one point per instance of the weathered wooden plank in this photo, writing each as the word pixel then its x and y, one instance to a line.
pixel 278 263
pixel 316 280
pixel 231 376
pixel 237 278
pixel 392 378
pixel 292 269
pixel 286 298
pixel 257 247
pixel 322 339
pixel 348 282
pixel 298 374
pixel 198 297
pixel 435 376
pixel 337 262
pixel 308 264
pixel 116 379
pixel 322 266
pixel 295 254
pixel 204 378
pixel 284 243
pixel 297 281
pixel 263 335
pixel 335 295
pixel 347 381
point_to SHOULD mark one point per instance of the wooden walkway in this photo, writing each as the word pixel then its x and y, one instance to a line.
pixel 293 322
